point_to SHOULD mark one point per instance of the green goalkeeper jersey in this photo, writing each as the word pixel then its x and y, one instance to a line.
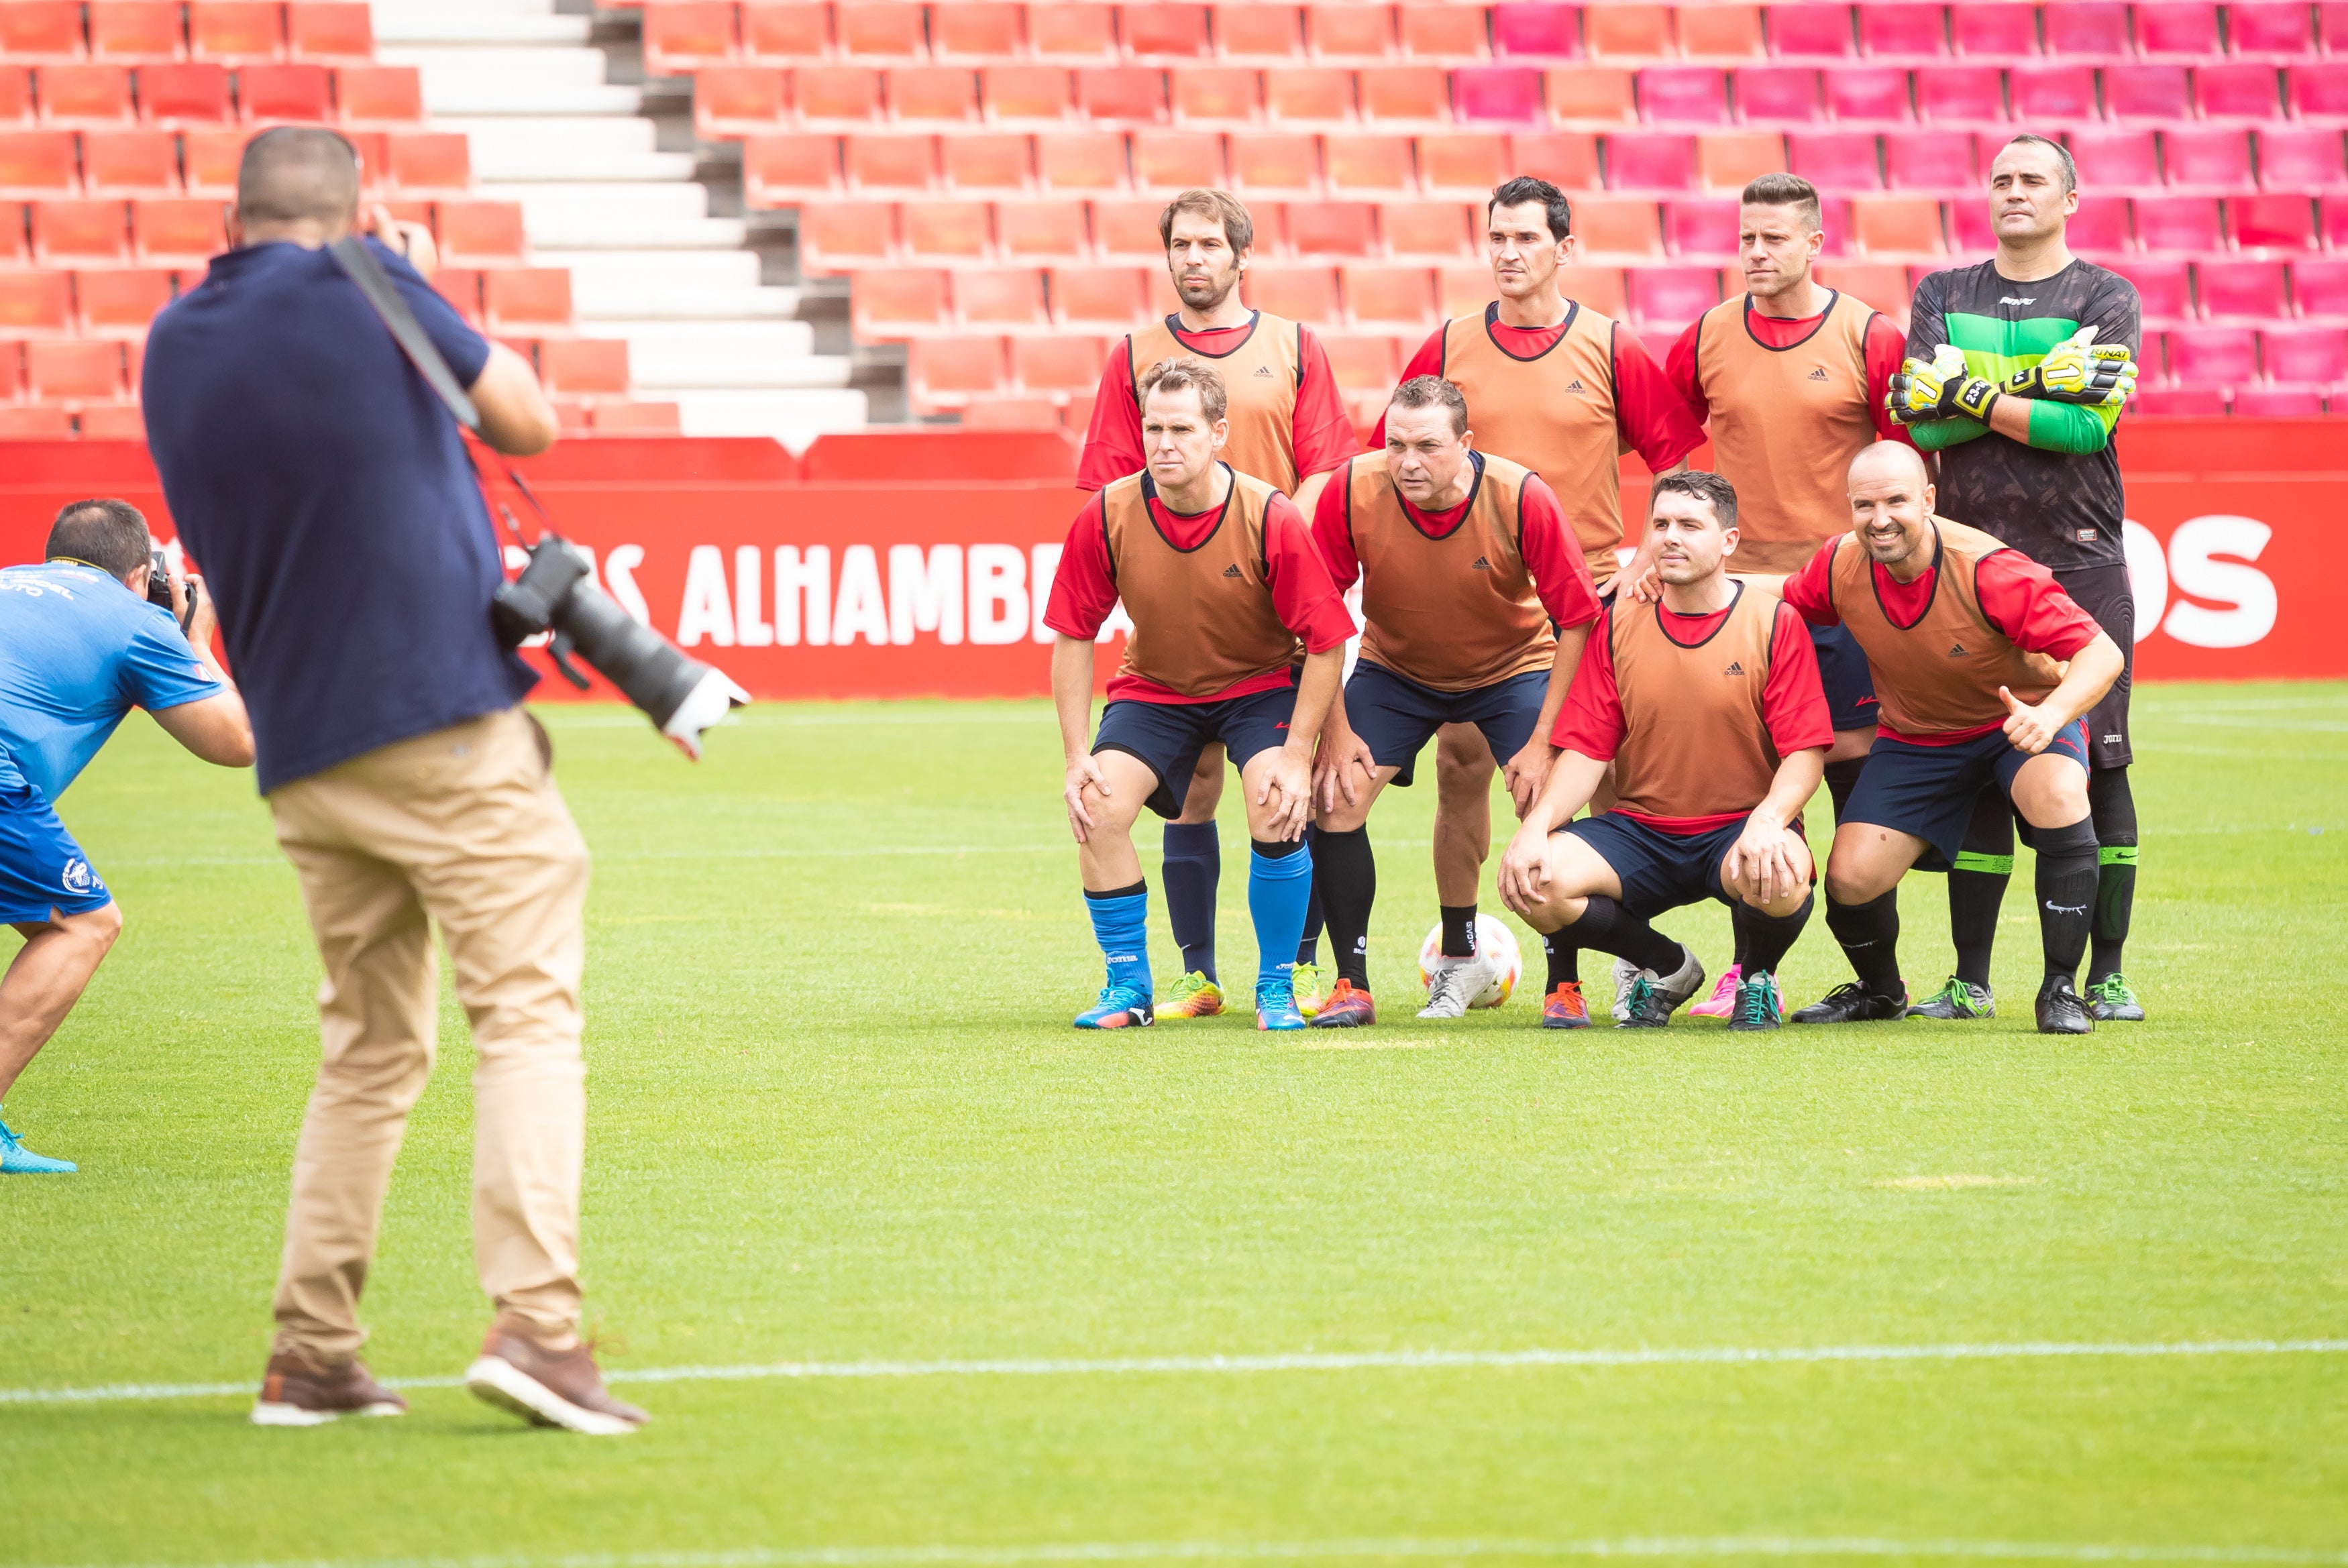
pixel 2059 498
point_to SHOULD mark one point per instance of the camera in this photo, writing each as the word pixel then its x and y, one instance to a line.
pixel 158 589
pixel 681 695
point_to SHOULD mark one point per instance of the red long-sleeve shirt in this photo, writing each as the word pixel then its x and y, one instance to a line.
pixel 1792 702
pixel 1323 434
pixel 1084 590
pixel 2020 598
pixel 1886 347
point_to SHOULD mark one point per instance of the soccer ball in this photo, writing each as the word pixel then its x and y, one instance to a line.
pixel 1496 942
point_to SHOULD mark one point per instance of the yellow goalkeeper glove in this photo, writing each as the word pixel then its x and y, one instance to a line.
pixel 2079 369
pixel 1939 388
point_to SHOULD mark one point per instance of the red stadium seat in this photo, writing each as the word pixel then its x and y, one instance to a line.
pixel 210 159
pixel 1778 95
pixel 1332 229
pixel 1361 363
pixel 2115 156
pixel 1896 29
pixel 38 163
pixel 2088 28
pixel 1705 227
pixel 2280 222
pixel 1683 94
pixel 843 236
pixel 878 29
pixel 1650 162
pixel 1126 231
pixel 2238 91
pixel 477 232
pixel 786 32
pixel 303 94
pixel 1596 95
pixel 837 95
pixel 1442 31
pixel 1308 94
pixel 884 160
pixel 948 371
pixel 896 302
pixel 1388 298
pixel 1619 225
pixel 2317 354
pixel 80 234
pixel 236 32
pixel 2240 287
pixel 2278 401
pixel 2333 215
pixel 332 32
pixel 1083 161
pixel 1635 32
pixel 1835 159
pixel 1535 29
pixel 1301 293
pixel 33 304
pixel 533 301
pixel 90 96
pixel 1218 95
pixel 1464 290
pixel 1076 29
pixel 1960 95
pixel 2318 286
pixel 1041 230
pixel 1008 299
pixel 574 367
pixel 1932 160
pixel 130 163
pixel 40 32
pixel 777 171
pixel 1670 297
pixel 631 417
pixel 1352 32
pixel 1809 31
pixel 2180 27
pixel 1600 288
pixel 1123 95
pixel 1249 31
pixel 2061 92
pixel 1098 297
pixel 2270 28
pixel 1881 284
pixel 1898 226
pixel 943 232
pixel 136 32
pixel 1026 92
pixel 2163 285
pixel 992 161
pixel 1566 159
pixel 1429 231
pixel 1497 95
pixel 1869 95
pixel 1417 94
pixel 2301 157
pixel 120 302
pixel 1993 29
pixel 1725 32
pixel 1056 367
pixel 734 101
pixel 1176 159
pixel 186 231
pixel 15 249
pixel 2213 156
pixel 378 95
pixel 933 93
pixel 79 370
pixel 32 423
pixel 2197 401
pixel 1730 159
pixel 2213 356
pixel 680 35
pixel 2146 91
pixel 2183 224
pixel 2320 89
pixel 1276 161
pixel 1473 162
pixel 1379 165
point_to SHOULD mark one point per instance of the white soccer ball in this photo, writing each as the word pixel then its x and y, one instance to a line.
pixel 1496 942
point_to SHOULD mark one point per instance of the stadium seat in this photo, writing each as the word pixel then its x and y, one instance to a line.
pixel 2213 156
pixel 1600 288
pixel 837 95
pixel 210 159
pixel 2301 157
pixel 1442 31
pixel 2112 157
pixel 1566 159
pixel 1126 231
pixel 480 232
pixel 2316 355
pixel 1072 29
pixel 301 94
pixel 2270 28
pixel 1465 289
pixel 2279 223
pixel 888 161
pixel 1388 298
pixel 2099 226
pixel 120 302
pixel 892 302
pixel 1267 34
pixel 2088 29
pixel 932 93
pixel 1429 231
pixel 1730 160
pixel 1618 226
pixel 1777 95
pixel 878 29
pixel 33 422
pixel 1308 94
pixel 1360 362
pixel 83 369
pixel 1627 31
pixel 38 163
pixel 1096 298
pixel 2062 92
pixel 14 246
pixel 1497 95
pixel 1087 160
pixel 1010 411
pixel 1276 161
pixel 92 95
pixel 2213 355
pixel 2163 285
pixel 2320 89
pixel 992 161
pixel 1472 162
pixel 71 233
pixel 2180 27
pixel 777 171
pixel 2241 287
pixel 1535 29
pixel 1405 94
pixel 2275 401
pixel 1299 291
pixel 378 95
pixel 1993 29
pixel 533 301
pixel 2318 286
pixel 239 32
pixel 1218 95
pixel 1835 159
pixel 1594 94
pixel 329 32
pixel 1349 32
pixel 734 101
pixel 2147 92
pixel 1683 94
pixel 1810 32
pixel 841 236
pixel 939 231
pixel 41 32
pixel 1026 92
pixel 1123 95
pixel 948 371
pixel 1374 164
pixel 127 162
pixel 1057 367
pixel 1171 160
pixel 1665 300
pixel 1897 225
pixel 1943 162
pixel 790 31
pixel 1041 230
pixel 1650 162
pixel 188 230
pixel 1721 31
pixel 33 304
pixel 1960 95
pixel 2237 91
pixel 574 367
pixel 1332 228
pixel 2198 401
pixel 1869 95
pixel 2332 214
pixel 136 32
pixel 1007 299
pixel 1879 284
pixel 1704 227
pixel 1896 29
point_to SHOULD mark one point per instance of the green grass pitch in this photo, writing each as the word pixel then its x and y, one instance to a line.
pixel 837 1116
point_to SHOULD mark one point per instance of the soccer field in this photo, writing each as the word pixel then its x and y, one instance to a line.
pixel 1906 1292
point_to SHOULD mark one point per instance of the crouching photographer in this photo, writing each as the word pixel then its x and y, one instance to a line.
pixel 321 479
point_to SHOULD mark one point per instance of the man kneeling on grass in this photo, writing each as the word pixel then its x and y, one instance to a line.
pixel 1709 706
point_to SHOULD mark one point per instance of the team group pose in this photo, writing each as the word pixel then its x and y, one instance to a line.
pixel 1947 657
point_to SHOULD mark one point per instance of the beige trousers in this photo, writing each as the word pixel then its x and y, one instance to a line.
pixel 462 828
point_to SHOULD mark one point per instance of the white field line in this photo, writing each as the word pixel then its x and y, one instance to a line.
pixel 1698 1546
pixel 1296 1361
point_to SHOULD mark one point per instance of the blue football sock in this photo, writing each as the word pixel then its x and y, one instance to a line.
pixel 1279 884
pixel 1121 926
pixel 1194 864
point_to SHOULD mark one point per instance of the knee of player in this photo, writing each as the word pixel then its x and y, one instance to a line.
pixel 99 927
pixel 1847 883
pixel 1459 767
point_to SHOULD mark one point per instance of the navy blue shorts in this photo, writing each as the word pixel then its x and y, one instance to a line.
pixel 1843 671
pixel 1659 871
pixel 1929 791
pixel 41 867
pixel 1168 736
pixel 1397 717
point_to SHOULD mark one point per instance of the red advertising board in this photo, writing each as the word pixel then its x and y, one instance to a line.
pixel 802 582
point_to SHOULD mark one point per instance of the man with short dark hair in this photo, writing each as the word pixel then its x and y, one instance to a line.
pixel 1476 602
pixel 81 644
pixel 2018 369
pixel 1288 427
pixel 326 490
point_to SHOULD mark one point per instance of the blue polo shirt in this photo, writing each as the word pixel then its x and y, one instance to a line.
pixel 323 494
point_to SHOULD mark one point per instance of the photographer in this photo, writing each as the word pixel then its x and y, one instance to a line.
pixel 325 488
pixel 81 645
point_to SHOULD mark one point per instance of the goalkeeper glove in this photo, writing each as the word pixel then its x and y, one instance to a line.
pixel 1939 388
pixel 2078 370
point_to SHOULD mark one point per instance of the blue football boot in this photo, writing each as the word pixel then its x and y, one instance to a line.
pixel 1275 1006
pixel 1120 1006
pixel 16 1160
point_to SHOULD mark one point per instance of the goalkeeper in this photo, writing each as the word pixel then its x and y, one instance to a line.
pixel 2017 371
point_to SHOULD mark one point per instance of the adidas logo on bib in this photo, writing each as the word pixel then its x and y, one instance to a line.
pixel 1956 650
pixel 1263 370
pixel 1232 571
pixel 1573 385
pixel 1819 373
pixel 1479 564
pixel 1734 667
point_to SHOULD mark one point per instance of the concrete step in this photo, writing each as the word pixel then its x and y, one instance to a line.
pixel 656 268
pixel 571 228
pixel 627 299
pixel 793 418
pixel 486 96
pixel 604 149
pixel 743 354
pixel 473 24
pixel 603 209
pixel 514 66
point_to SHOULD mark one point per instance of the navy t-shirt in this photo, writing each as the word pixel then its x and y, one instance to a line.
pixel 323 493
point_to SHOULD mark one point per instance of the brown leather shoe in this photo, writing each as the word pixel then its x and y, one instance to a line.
pixel 548 1387
pixel 296 1391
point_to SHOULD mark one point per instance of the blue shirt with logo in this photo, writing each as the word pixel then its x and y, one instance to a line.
pixel 78 652
pixel 323 494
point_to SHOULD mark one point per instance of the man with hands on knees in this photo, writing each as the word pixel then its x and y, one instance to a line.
pixel 1708 704
pixel 1465 561
pixel 1222 581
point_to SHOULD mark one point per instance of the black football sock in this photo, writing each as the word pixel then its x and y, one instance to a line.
pixel 2067 894
pixel 1608 927
pixel 1767 938
pixel 1194 864
pixel 1869 935
pixel 2111 806
pixel 1308 951
pixel 1977 884
pixel 1564 961
pixel 1842 777
pixel 1458 931
pixel 1346 874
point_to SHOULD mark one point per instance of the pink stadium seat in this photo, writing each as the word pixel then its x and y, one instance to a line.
pixel 946 94
pixel 2115 156
pixel 235 32
pixel 1377 165
pixel 135 32
pixel 2199 401
pixel 1127 231
pixel 195 94
pixel 939 231
pixel 2163 285
pixel 1730 159
pixel 1248 31
pixel 1123 95
pixel 2317 354
pixel 1619 225
pixel 1627 31
pixel 1594 94
pixel 1404 94
pixel 2180 27
pixel 893 302
pixel 1226 94
pixel 1041 230
pixel 303 94
pixel 90 96
pixel 1026 92
pixel 1387 298
pixel 2241 287
pixel 1535 29
pixel 1683 94
pixel 1777 95
pixel 2320 89
pixel 1869 94
pixel 842 236
pixel 72 233
pixel 1898 226
pixel 528 301
pixel 878 29
pixel 1301 292
pixel 1276 161
pixel 2147 92
pixel 1470 161
pixel 1993 29
pixel 1176 159
pixel 41 162
pixel 947 372
pixel 777 171
pixel 2213 356
pixel 734 101
pixel 2301 157
pixel 1431 230
pixel 1497 95
pixel 1350 31
pixel 2183 224
pixel 1704 227
pixel 881 160
pixel 2062 92
pixel 73 372
pixel 1646 161
pixel 1808 31
pixel 331 32
pixel 378 95
pixel 1670 297
pixel 785 32
pixel 2239 91
pixel 2270 28
pixel 1076 29
pixel 1008 299
pixel 1896 29
pixel 1442 31
pixel 1566 159
pixel 1721 31
pixel 2088 28
pixel 37 32
pixel 2215 156
pixel 1835 159
pixel 33 304
pixel 1961 95
pixel 1080 161
pixel 2278 401
pixel 2319 285
pixel 2279 223
pixel 1312 95
pixel 1056 366
pixel 1332 229
pixel 987 160
pixel 837 95
pixel 2333 214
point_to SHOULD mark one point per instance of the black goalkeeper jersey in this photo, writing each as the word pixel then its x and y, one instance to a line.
pixel 2059 500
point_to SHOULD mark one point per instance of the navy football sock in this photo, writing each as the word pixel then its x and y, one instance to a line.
pixel 1194 864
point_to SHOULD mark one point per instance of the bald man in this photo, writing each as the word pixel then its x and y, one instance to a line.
pixel 1983 668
